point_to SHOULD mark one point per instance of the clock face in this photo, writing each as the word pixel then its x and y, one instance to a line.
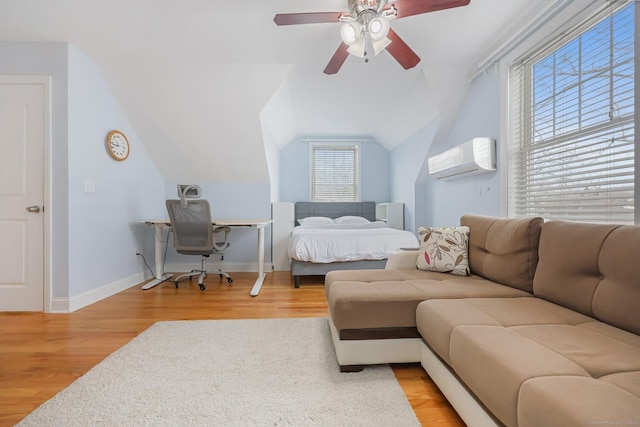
pixel 118 145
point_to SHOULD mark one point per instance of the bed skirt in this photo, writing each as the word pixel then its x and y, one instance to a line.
pixel 303 268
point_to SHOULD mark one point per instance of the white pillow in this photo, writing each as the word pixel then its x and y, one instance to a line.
pixel 444 249
pixel 316 221
pixel 348 219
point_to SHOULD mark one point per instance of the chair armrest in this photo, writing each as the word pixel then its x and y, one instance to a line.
pixel 402 260
pixel 221 245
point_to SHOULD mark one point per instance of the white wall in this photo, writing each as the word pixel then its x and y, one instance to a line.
pixel 105 227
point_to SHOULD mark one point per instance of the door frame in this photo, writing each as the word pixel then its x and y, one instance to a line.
pixel 47 201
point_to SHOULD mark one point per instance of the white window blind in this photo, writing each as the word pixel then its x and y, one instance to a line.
pixel 571 154
pixel 334 173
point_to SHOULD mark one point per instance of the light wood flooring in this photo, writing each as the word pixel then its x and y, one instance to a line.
pixel 41 354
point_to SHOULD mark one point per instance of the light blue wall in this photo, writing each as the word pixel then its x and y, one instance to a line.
pixel 294 172
pixel 93 232
pixel 105 227
pixel 232 200
pixel 447 201
pixel 272 154
pixel 90 233
pixel 49 59
pixel 407 160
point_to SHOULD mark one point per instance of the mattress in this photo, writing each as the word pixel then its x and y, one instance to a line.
pixel 353 242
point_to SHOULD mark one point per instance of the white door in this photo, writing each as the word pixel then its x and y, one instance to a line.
pixel 22 139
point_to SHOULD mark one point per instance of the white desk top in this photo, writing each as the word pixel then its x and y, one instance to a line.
pixel 229 222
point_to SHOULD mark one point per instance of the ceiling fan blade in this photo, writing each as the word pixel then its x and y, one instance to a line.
pixel 401 51
pixel 416 7
pixel 337 59
pixel 306 18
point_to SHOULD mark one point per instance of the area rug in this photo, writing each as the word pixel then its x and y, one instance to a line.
pixel 270 372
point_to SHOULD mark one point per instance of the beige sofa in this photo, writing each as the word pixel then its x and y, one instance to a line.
pixel 544 332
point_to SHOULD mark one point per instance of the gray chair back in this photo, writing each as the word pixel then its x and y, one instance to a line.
pixel 191 226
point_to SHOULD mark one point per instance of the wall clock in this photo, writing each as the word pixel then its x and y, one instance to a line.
pixel 118 145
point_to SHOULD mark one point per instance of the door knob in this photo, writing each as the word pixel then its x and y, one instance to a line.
pixel 33 209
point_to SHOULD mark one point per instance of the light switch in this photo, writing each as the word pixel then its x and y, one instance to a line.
pixel 89 186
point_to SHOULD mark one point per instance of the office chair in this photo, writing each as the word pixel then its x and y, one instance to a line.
pixel 193 234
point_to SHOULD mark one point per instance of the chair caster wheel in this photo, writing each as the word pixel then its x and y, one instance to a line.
pixel 221 276
pixel 176 282
pixel 229 280
pixel 202 287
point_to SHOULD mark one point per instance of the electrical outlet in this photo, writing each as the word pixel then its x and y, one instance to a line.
pixel 89 186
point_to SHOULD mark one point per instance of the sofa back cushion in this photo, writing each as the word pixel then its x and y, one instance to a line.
pixel 504 250
pixel 593 269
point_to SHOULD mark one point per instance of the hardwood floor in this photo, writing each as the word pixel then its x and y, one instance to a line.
pixel 41 354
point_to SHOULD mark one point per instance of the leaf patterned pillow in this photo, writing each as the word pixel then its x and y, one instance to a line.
pixel 444 249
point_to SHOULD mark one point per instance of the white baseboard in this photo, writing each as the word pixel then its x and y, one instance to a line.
pixel 69 305
pixel 229 267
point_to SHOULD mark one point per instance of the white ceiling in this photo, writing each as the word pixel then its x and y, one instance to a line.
pixel 194 76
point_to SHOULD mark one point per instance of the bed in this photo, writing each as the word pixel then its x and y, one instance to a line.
pixel 318 244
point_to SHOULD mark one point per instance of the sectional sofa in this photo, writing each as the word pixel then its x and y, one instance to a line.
pixel 544 332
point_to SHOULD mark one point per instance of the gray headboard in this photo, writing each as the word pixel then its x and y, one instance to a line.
pixel 335 209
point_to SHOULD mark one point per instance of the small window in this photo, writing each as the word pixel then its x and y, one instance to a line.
pixel 571 154
pixel 335 172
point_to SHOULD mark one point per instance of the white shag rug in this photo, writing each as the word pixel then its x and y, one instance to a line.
pixel 269 372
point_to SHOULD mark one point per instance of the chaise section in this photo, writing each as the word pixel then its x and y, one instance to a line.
pixel 392 304
pixel 373 312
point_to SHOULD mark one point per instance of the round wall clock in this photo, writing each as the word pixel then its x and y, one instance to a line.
pixel 118 145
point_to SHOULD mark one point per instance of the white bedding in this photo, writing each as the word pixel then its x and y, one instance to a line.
pixel 353 242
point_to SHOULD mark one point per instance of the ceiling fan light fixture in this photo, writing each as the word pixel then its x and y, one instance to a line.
pixel 350 32
pixel 380 45
pixel 379 28
pixel 357 48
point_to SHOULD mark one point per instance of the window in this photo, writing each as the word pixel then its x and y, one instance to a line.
pixel 335 172
pixel 571 154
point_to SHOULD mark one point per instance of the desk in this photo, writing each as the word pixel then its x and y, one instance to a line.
pixel 159 225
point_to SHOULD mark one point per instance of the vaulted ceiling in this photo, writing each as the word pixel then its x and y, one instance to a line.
pixel 204 79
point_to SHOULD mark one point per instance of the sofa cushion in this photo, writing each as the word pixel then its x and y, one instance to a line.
pixel 444 249
pixel 617 298
pixel 377 275
pixel 504 250
pixel 575 401
pixel 390 299
pixel 598 354
pixel 593 269
pixel 494 362
pixel 437 320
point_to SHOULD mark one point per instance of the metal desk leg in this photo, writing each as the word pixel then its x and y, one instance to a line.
pixel 157 228
pixel 261 274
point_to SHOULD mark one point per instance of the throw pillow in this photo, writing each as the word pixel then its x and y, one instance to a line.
pixel 316 221
pixel 352 220
pixel 444 249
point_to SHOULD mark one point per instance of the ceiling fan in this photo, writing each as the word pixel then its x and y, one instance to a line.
pixel 367 29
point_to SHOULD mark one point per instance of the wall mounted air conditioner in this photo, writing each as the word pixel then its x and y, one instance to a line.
pixel 469 158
